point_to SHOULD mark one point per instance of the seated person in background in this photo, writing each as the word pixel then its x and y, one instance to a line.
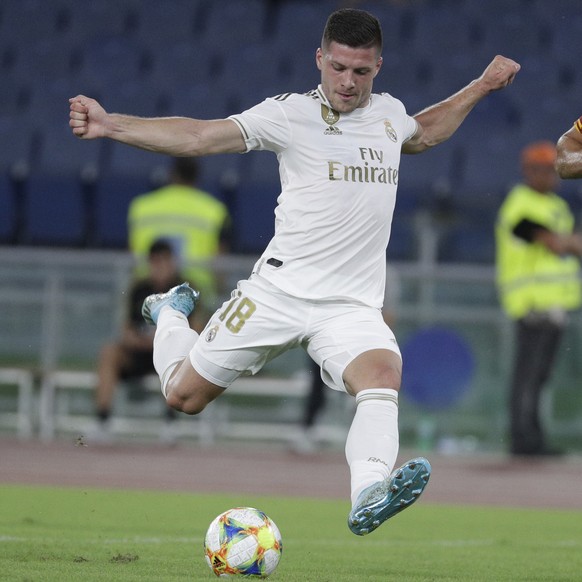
pixel 130 356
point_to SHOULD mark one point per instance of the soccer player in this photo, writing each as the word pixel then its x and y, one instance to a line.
pixel 320 281
pixel 569 160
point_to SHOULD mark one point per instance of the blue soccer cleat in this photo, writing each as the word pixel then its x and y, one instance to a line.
pixel 385 499
pixel 181 298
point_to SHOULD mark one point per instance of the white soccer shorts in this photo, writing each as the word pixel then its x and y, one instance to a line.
pixel 260 322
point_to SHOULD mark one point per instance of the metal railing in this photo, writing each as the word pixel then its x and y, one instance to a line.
pixel 59 306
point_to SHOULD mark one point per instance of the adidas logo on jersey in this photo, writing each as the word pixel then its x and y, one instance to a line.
pixel 332 130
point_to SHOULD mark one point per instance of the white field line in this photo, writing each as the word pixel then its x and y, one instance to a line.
pixel 199 540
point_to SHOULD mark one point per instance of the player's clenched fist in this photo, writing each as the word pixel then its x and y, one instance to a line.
pixel 499 73
pixel 87 118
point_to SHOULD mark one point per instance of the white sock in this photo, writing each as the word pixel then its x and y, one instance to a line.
pixel 372 443
pixel 173 340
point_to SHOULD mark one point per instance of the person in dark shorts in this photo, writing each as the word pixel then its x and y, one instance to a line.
pixel 129 357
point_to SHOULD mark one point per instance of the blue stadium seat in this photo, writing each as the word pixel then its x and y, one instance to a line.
pixel 14 94
pixel 17 133
pixel 181 64
pixel 298 71
pixel 125 160
pixel 165 23
pixel 514 32
pixel 61 153
pixel 254 222
pixel 53 95
pixel 302 21
pixel 400 18
pixel 399 77
pixel 556 10
pixel 566 21
pixel 527 84
pixel 201 100
pixel 8 215
pixel 444 30
pixel 468 243
pixel 428 171
pixel 248 67
pixel 28 21
pixel 491 164
pixel 261 168
pixel 111 60
pixel 113 195
pixel 402 245
pixel 91 21
pixel 234 25
pixel 55 211
pixel 144 98
pixel 409 199
pixel 46 61
pixel 221 174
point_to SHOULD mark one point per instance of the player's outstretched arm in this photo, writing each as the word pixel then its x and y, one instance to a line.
pixel 569 146
pixel 175 136
pixel 438 122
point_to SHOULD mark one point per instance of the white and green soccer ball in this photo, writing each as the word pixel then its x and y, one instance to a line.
pixel 243 542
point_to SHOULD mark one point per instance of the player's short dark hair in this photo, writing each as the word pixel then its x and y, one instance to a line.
pixel 354 28
pixel 186 169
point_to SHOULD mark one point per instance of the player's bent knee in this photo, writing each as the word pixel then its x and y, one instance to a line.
pixel 188 399
pixel 187 405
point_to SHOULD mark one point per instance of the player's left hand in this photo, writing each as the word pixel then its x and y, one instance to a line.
pixel 499 73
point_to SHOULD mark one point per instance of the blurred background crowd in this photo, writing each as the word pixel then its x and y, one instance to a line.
pixel 210 59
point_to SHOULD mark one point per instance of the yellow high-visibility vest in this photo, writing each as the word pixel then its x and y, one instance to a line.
pixel 190 219
pixel 529 276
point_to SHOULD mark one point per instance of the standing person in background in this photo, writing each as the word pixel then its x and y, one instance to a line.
pixel 129 357
pixel 320 282
pixel 538 278
pixel 569 158
pixel 194 222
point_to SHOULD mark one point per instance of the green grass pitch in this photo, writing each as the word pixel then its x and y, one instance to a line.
pixel 58 534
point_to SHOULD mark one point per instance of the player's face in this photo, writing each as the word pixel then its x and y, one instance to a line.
pixel 347 75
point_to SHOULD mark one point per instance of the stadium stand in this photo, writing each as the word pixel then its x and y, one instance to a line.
pixel 207 59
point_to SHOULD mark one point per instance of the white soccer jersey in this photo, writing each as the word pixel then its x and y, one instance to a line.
pixel 339 174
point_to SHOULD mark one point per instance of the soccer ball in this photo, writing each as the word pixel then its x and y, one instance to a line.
pixel 243 542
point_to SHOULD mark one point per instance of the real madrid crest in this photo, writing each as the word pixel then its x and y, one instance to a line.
pixel 211 333
pixel 390 131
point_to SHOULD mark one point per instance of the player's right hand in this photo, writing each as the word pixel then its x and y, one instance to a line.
pixel 87 117
pixel 499 73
